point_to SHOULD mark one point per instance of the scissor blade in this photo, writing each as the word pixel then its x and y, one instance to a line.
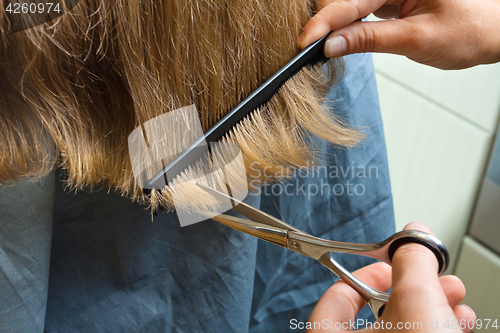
pixel 277 236
pixel 248 211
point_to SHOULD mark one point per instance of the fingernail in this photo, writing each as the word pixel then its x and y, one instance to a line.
pixel 471 310
pixel 417 226
pixel 301 38
pixel 335 46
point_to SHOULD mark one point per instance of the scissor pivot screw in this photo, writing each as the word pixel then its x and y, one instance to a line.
pixel 295 245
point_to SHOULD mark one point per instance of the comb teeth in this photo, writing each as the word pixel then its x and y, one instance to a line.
pixel 274 141
pixel 310 56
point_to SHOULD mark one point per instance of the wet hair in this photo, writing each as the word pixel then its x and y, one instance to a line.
pixel 73 89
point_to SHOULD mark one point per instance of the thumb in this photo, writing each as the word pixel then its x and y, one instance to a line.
pixel 415 259
pixel 415 282
pixel 393 36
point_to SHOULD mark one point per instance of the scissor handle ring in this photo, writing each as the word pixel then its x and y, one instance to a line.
pixel 425 239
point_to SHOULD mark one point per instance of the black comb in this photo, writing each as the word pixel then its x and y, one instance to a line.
pixel 312 55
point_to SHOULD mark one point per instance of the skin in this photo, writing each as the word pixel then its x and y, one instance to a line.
pixel 447 34
pixel 418 294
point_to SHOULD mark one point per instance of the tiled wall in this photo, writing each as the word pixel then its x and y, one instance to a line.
pixel 479 270
pixel 439 129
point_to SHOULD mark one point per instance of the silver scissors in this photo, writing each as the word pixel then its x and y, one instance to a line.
pixel 275 231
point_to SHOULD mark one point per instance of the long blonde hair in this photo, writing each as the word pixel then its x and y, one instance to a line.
pixel 85 80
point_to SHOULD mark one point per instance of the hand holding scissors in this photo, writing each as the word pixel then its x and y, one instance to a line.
pixel 273 230
pixel 420 300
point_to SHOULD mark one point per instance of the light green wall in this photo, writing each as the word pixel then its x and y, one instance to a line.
pixel 439 127
pixel 479 270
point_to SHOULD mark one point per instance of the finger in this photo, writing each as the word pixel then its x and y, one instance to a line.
pixel 394 36
pixel 320 4
pixel 453 288
pixel 341 303
pixel 418 226
pixel 412 265
pixel 336 15
pixel 466 317
pixel 413 258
